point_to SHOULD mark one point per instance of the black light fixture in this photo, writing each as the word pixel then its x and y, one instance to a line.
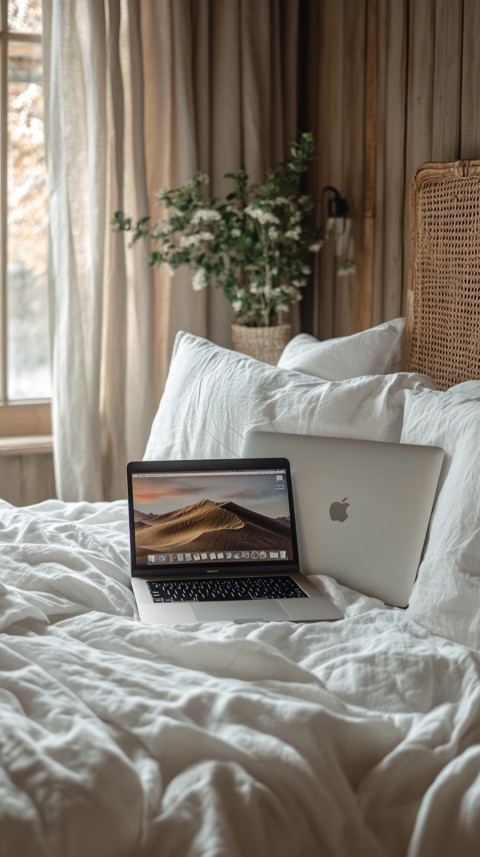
pixel 337 205
pixel 337 219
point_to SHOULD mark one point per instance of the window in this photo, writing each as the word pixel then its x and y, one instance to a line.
pixel 25 383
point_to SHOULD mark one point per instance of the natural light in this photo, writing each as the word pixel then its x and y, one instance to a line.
pixel 27 374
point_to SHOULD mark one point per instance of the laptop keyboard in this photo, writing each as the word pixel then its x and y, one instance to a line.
pixel 225 589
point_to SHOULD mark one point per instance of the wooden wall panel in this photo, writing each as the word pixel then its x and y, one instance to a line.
pixel 355 154
pixel 419 106
pixel 469 98
pixel 433 96
pixel 333 109
pixel 330 142
pixel 389 196
pixel 425 66
pixel 26 478
pixel 447 77
pixel 366 226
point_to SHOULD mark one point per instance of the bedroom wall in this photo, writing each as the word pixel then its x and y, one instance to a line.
pixel 386 86
pixel 26 470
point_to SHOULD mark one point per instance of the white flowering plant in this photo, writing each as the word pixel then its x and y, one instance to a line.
pixel 255 244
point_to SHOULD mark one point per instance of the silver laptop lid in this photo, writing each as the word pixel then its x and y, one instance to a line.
pixel 363 507
pixel 211 516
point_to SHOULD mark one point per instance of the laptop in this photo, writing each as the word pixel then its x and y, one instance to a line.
pixel 362 507
pixel 216 540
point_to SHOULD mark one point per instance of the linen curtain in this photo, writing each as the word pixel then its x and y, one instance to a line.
pixel 140 96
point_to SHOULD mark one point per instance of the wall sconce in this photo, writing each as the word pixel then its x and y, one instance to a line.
pixel 337 206
pixel 338 222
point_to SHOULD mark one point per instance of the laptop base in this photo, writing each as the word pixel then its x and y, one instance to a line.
pixel 316 608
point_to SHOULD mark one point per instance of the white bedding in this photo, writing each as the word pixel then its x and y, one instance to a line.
pixel 360 737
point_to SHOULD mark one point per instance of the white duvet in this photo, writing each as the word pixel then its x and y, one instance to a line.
pixel 360 737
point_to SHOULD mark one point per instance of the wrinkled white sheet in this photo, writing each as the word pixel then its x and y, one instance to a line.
pixel 360 737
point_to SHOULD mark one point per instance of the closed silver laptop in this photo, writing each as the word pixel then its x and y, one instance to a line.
pixel 362 507
pixel 216 540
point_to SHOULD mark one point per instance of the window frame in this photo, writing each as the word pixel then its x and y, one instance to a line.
pixel 25 417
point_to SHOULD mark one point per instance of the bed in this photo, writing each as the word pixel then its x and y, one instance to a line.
pixel 357 737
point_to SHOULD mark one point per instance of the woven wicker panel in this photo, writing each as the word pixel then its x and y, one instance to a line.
pixel 443 303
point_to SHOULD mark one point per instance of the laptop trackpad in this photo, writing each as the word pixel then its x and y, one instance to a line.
pixel 208 611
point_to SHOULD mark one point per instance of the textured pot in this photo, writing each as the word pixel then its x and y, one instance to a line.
pixel 263 343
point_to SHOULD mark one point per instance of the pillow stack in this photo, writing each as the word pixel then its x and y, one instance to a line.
pixel 346 387
pixel 213 396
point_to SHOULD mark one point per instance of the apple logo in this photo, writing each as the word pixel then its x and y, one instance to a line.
pixel 338 510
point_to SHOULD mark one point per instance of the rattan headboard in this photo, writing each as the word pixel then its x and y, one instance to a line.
pixel 443 300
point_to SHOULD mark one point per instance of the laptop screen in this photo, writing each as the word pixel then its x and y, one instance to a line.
pixel 225 515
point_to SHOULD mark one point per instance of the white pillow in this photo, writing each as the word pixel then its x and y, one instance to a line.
pixel 376 351
pixel 446 595
pixel 467 388
pixel 213 395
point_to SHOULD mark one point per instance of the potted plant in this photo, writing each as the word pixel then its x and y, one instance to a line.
pixel 255 245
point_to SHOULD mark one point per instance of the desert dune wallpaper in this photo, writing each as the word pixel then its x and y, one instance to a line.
pixel 179 518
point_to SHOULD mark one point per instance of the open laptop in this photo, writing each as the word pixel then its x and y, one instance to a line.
pixel 362 507
pixel 216 540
